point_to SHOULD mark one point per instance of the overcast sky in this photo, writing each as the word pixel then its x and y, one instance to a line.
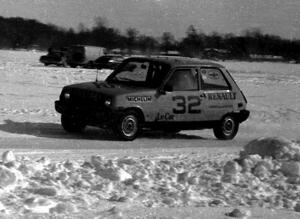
pixel 153 17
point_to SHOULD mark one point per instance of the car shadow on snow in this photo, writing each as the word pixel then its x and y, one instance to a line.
pixel 50 130
pixel 163 135
pixel 54 130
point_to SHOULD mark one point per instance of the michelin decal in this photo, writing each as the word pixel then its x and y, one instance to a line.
pixel 139 98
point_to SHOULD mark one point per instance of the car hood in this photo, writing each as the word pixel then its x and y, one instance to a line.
pixel 108 89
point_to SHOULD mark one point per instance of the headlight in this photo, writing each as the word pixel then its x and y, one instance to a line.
pixel 67 96
pixel 107 102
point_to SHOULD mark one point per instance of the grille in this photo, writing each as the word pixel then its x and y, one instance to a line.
pixel 86 97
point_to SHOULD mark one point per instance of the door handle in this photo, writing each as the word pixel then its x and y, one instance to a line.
pixel 203 95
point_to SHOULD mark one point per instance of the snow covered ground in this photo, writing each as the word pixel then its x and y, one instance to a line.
pixel 28 91
pixel 157 175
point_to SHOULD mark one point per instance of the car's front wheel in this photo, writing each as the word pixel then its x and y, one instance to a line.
pixel 71 123
pixel 227 128
pixel 128 126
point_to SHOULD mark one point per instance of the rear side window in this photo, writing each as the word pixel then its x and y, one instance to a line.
pixel 183 80
pixel 213 79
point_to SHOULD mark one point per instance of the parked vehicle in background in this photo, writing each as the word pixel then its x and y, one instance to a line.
pixel 158 93
pixel 55 56
pixel 216 54
pixel 170 53
pixel 80 55
pixel 106 62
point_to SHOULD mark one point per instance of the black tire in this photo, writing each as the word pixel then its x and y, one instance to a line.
pixel 72 124
pixel 227 128
pixel 128 126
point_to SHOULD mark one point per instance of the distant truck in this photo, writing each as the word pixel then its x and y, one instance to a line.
pixel 55 56
pixel 80 55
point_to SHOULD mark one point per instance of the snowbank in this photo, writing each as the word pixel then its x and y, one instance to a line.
pixel 274 147
pixel 266 174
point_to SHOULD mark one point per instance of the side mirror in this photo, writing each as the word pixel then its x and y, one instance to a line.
pixel 168 88
pixel 161 92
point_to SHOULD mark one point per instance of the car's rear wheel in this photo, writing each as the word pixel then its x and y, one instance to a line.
pixel 128 126
pixel 72 123
pixel 227 128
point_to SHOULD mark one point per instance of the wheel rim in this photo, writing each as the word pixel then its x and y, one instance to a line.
pixel 228 126
pixel 129 126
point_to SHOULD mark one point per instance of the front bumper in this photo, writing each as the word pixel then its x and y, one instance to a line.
pixel 59 107
pixel 91 115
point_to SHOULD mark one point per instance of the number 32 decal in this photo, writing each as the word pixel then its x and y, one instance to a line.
pixel 188 104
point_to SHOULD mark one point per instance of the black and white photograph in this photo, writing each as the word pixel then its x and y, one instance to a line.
pixel 149 109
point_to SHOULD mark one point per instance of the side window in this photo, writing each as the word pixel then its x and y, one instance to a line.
pixel 183 80
pixel 213 79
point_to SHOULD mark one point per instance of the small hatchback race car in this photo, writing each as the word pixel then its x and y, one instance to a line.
pixel 158 93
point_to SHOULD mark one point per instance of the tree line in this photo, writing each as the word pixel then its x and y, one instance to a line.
pixel 23 33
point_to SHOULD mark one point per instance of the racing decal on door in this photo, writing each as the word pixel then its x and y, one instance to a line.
pixel 186 105
pixel 164 117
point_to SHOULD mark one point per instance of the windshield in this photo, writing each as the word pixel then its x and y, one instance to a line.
pixel 140 73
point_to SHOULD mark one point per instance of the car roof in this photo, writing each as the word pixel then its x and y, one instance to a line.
pixel 110 56
pixel 177 61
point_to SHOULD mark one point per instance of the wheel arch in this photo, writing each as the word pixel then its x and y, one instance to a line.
pixel 139 112
pixel 239 117
pixel 229 114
